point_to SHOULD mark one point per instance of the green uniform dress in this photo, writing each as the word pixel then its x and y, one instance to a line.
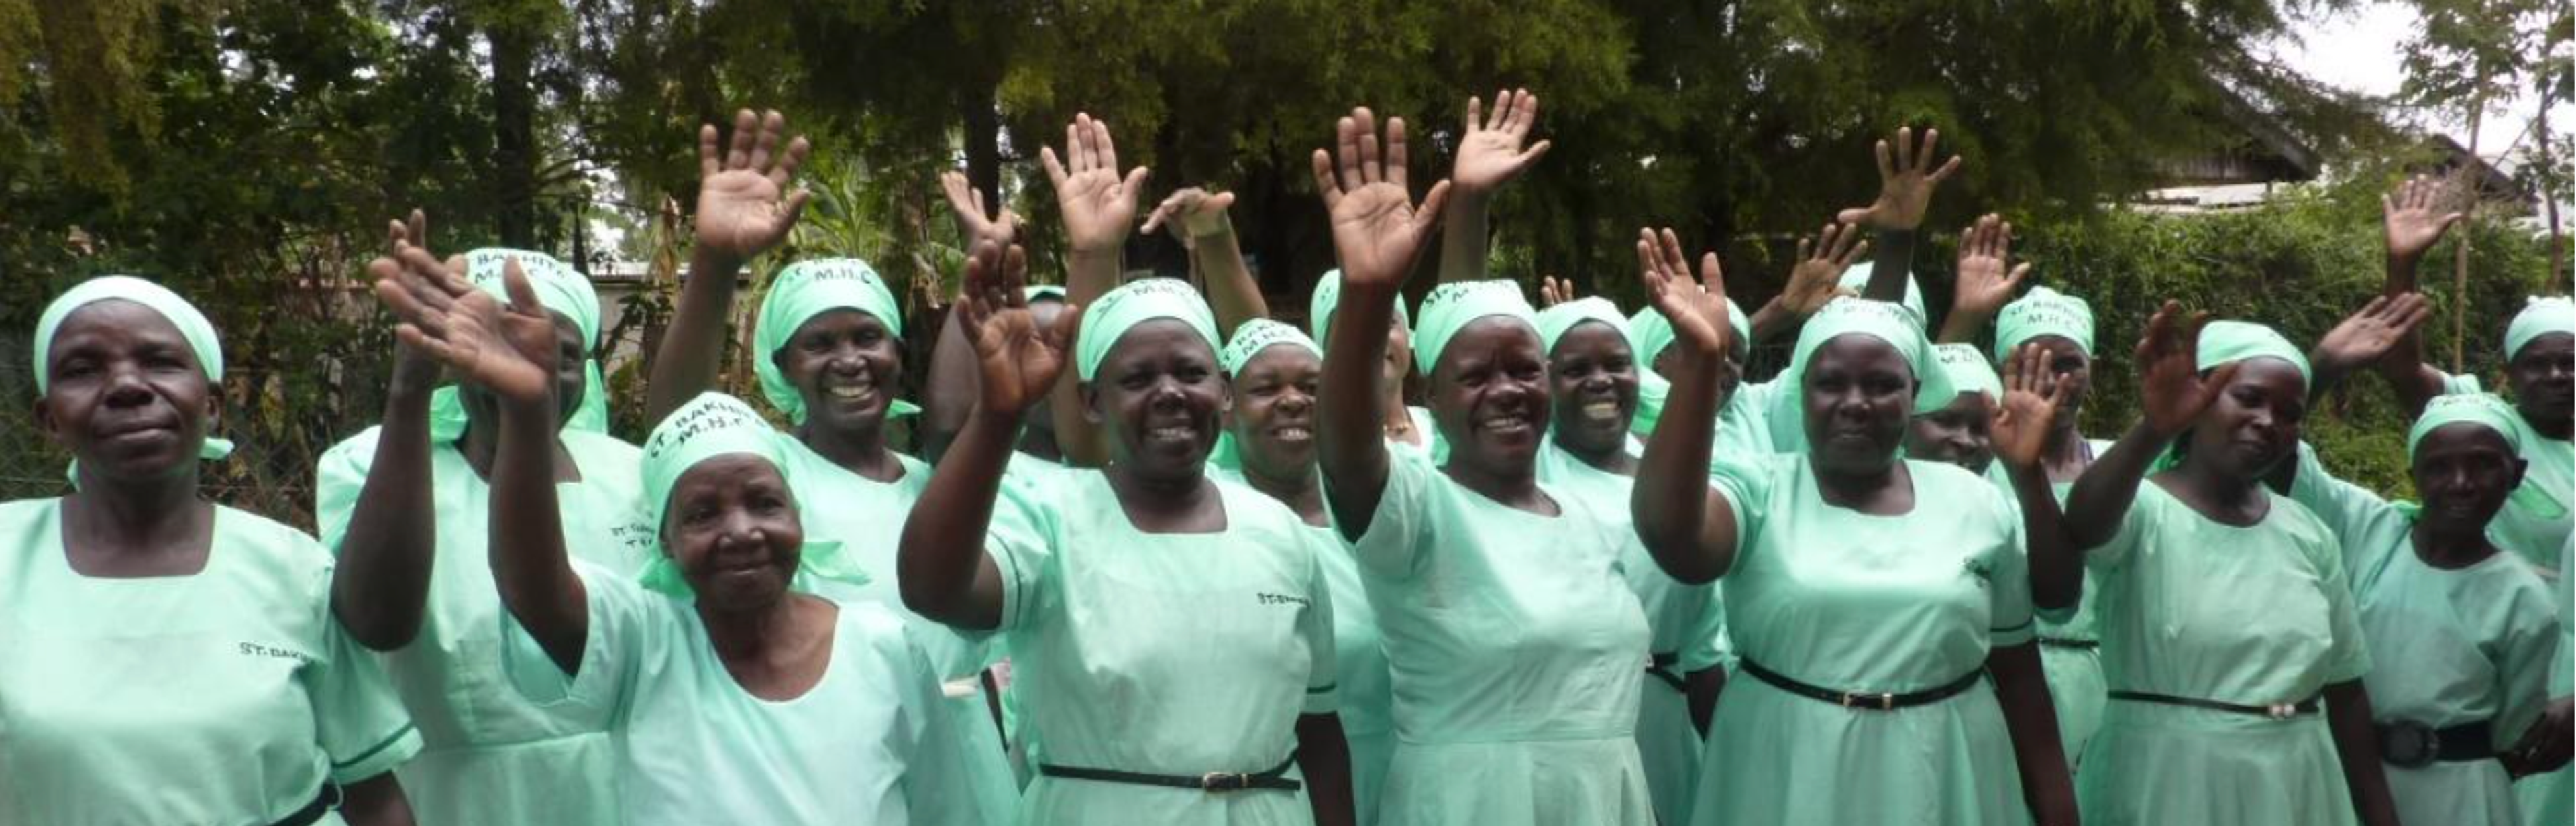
pixel 2536 525
pixel 2550 799
pixel 2455 646
pixel 1517 653
pixel 1359 664
pixel 1848 601
pixel 1164 654
pixel 868 743
pixel 491 756
pixel 1667 743
pixel 2256 616
pixel 226 697
pixel 2070 648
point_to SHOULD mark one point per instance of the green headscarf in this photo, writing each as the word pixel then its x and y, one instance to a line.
pixel 1856 279
pixel 562 289
pixel 2489 411
pixel 1894 324
pixel 2043 312
pixel 1261 334
pixel 2540 316
pixel 1134 303
pixel 2227 342
pixel 1452 306
pixel 1554 322
pixel 712 425
pixel 193 327
pixel 1968 373
pixel 811 288
pixel 1328 296
pixel 1652 332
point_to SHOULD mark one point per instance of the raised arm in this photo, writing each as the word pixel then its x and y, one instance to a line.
pixel 1378 234
pixel 2172 394
pixel 511 351
pixel 380 589
pixel 2412 222
pixel 1986 282
pixel 1813 281
pixel 744 209
pixel 943 568
pixel 1906 179
pixel 1490 154
pixel 2020 438
pixel 1099 208
pixel 2365 338
pixel 1198 219
pixel 1687 525
pixel 949 392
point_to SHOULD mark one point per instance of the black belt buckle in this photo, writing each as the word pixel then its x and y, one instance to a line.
pixel 2409 745
pixel 1867 701
pixel 1222 782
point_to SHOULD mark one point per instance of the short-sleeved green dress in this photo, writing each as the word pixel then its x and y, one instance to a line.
pixel 2255 615
pixel 2550 799
pixel 2070 649
pixel 228 696
pixel 1848 601
pixel 492 756
pixel 1516 650
pixel 1165 654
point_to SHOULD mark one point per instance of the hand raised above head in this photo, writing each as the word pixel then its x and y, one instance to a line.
pixel 1377 229
pixel 1816 278
pixel 2172 391
pixel 1494 148
pixel 1696 308
pixel 1099 206
pixel 1020 360
pixel 2412 216
pixel 1906 179
pixel 745 207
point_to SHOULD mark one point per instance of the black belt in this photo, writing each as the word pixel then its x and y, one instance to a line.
pixel 1660 667
pixel 2415 745
pixel 2067 642
pixel 1213 782
pixel 312 812
pixel 2276 711
pixel 1862 699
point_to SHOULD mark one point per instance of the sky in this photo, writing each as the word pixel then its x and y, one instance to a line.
pixel 2356 50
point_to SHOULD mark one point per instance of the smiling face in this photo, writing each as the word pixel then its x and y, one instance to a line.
pixel 2070 368
pixel 2543 377
pixel 1160 393
pixel 732 527
pixel 1489 395
pixel 1957 434
pixel 1592 377
pixel 572 356
pixel 2253 425
pixel 1857 394
pixel 845 365
pixel 2464 471
pixel 125 393
pixel 1273 420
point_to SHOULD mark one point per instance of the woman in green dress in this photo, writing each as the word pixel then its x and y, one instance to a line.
pixel 2230 640
pixel 1870 597
pixel 165 659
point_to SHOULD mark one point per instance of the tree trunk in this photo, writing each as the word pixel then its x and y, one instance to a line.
pixel 2460 259
pixel 514 134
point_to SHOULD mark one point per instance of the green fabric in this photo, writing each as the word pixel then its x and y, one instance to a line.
pixel 1328 296
pixel 1856 279
pixel 1452 306
pixel 561 289
pixel 2075 687
pixel 1260 334
pixel 228 695
pixel 2254 615
pixel 1652 332
pixel 1210 674
pixel 493 756
pixel 193 327
pixel 1834 597
pixel 2550 799
pixel 1553 322
pixel 1968 373
pixel 1517 654
pixel 2476 644
pixel 1134 303
pixel 2228 342
pixel 2541 315
pixel 2043 312
pixel 712 425
pixel 868 740
pixel 807 289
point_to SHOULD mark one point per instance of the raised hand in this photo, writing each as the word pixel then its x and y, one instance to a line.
pixel 1696 308
pixel 1192 213
pixel 744 206
pixel 2172 390
pixel 1377 229
pixel 1817 277
pixel 414 370
pixel 1986 279
pixel 2413 217
pixel 507 350
pixel 2365 336
pixel 1099 207
pixel 2023 416
pixel 973 223
pixel 1019 359
pixel 1490 146
pixel 1553 291
pixel 1906 179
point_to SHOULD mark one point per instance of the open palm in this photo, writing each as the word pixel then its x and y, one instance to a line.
pixel 2173 391
pixel 1491 147
pixel 1986 277
pixel 2367 335
pixel 1906 179
pixel 2413 218
pixel 1377 230
pixel 1817 277
pixel 2028 409
pixel 744 206
pixel 1098 205
pixel 1019 360
pixel 509 350
pixel 1696 309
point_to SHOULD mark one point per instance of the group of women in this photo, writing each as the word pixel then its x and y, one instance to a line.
pixel 1180 563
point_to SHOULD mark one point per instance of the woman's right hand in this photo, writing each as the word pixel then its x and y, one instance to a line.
pixel 2173 392
pixel 1816 279
pixel 1019 359
pixel 2029 407
pixel 967 203
pixel 510 350
pixel 1696 309
pixel 1377 229
pixel 415 371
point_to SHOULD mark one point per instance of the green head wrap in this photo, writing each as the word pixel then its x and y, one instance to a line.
pixel 1894 324
pixel 562 289
pixel 807 289
pixel 1856 279
pixel 2043 312
pixel 2540 316
pixel 1968 373
pixel 2227 342
pixel 1134 303
pixel 193 327
pixel 1652 332
pixel 1261 334
pixel 2492 412
pixel 712 425
pixel 1554 322
pixel 1452 306
pixel 1328 295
